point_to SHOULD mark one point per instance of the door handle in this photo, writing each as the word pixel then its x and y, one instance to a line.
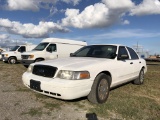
pixel 139 61
pixel 131 63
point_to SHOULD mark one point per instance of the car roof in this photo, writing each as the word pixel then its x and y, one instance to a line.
pixel 107 44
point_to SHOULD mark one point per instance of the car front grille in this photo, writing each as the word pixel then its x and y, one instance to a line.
pixel 2 55
pixel 44 70
pixel 24 56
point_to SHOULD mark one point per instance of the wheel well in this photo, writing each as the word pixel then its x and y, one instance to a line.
pixel 143 68
pixel 39 58
pixel 107 73
pixel 12 57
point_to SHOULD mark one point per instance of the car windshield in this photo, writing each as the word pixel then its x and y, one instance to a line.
pixel 98 51
pixel 40 47
pixel 14 48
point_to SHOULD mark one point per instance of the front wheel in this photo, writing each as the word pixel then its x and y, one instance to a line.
pixel 26 66
pixel 100 89
pixel 38 60
pixel 140 78
pixel 12 60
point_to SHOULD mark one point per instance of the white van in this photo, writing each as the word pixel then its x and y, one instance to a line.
pixel 14 55
pixel 51 48
pixel 1 50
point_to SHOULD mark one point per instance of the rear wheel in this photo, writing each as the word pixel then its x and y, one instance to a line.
pixel 100 89
pixel 12 60
pixel 140 78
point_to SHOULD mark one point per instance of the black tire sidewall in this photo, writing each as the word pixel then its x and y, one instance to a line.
pixel 99 78
pixel 9 61
pixel 141 72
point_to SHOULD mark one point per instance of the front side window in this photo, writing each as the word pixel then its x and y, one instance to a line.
pixel 52 48
pixel 40 47
pixel 22 49
pixel 133 54
pixel 14 48
pixel 98 51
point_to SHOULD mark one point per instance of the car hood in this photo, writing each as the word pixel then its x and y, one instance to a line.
pixel 74 63
pixel 9 52
pixel 31 52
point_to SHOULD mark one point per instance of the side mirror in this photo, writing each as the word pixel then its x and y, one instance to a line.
pixel 49 50
pixel 123 57
pixel 113 55
pixel 72 54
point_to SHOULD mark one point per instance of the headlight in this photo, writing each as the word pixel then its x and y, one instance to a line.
pixel 73 75
pixel 31 56
pixel 30 69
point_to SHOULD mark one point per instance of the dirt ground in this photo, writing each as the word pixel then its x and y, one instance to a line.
pixel 19 103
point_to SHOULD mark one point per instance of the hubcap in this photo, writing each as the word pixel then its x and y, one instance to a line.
pixel 13 61
pixel 141 76
pixel 103 89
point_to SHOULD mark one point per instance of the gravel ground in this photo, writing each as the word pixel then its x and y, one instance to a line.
pixel 19 103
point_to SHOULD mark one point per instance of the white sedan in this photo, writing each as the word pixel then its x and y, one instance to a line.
pixel 91 71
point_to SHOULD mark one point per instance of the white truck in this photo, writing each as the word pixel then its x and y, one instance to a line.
pixel 51 48
pixel 14 55
pixel 1 50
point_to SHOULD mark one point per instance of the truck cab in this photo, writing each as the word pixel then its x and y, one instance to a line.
pixel 14 55
pixel 51 48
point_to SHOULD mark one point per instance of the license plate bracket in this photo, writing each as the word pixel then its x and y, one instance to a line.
pixel 35 85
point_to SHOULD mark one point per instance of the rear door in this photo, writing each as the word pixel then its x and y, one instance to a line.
pixel 124 69
pixel 136 62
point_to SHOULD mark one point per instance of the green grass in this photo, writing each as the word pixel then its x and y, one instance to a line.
pixel 51 106
pixel 130 102
pixel 33 112
pixel 135 102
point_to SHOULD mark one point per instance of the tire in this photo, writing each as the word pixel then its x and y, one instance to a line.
pixel 100 89
pixel 26 66
pixel 38 60
pixel 140 79
pixel 12 60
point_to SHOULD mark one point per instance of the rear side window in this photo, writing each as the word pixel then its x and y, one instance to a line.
pixel 122 51
pixel 133 54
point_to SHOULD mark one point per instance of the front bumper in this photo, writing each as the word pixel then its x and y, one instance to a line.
pixel 58 88
pixel 5 59
pixel 27 62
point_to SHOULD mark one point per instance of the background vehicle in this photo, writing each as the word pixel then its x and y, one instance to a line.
pixel 1 50
pixel 91 71
pixel 14 55
pixel 51 48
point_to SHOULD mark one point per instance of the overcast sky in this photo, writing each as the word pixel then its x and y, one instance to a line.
pixel 125 22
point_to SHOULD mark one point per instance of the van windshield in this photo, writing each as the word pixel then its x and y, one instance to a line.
pixel 40 47
pixel 14 48
pixel 98 51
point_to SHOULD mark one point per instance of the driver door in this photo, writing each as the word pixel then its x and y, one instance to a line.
pixel 20 50
pixel 51 52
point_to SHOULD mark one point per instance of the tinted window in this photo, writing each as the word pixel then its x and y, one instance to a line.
pixel 52 48
pixel 41 46
pixel 22 49
pixel 99 51
pixel 122 52
pixel 14 48
pixel 132 54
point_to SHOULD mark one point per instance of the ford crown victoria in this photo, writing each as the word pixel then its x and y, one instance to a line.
pixel 91 71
